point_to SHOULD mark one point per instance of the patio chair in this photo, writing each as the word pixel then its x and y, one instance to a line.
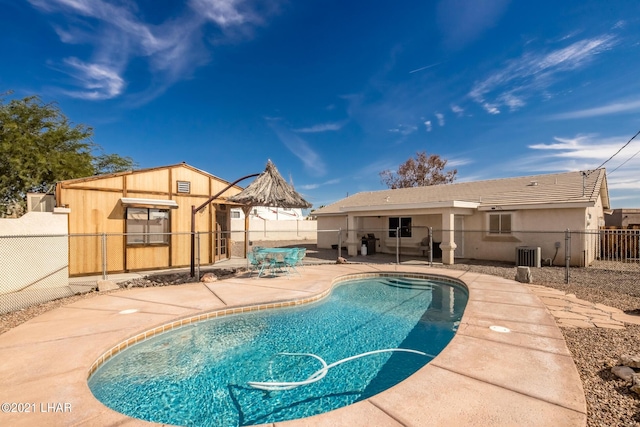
pixel 302 252
pixel 256 263
pixel 283 265
pixel 291 259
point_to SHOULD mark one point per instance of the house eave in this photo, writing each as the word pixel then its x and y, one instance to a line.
pixel 411 206
pixel 529 206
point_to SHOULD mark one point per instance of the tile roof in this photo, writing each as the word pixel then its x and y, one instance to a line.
pixel 558 188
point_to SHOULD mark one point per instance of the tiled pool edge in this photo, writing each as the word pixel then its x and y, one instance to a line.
pixel 151 332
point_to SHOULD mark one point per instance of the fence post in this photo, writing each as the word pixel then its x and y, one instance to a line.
pixel 104 256
pixel 430 246
pixel 340 242
pixel 198 256
pixel 397 245
pixel 567 254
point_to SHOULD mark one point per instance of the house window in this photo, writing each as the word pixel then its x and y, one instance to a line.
pixel 500 223
pixel 147 226
pixel 403 223
pixel 235 214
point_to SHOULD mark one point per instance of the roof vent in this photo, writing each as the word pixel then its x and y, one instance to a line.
pixel 533 183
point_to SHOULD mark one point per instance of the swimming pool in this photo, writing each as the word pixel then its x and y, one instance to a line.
pixel 205 373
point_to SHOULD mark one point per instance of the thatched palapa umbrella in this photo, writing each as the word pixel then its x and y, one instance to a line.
pixel 268 189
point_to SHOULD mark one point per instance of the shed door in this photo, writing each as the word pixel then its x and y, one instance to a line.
pixel 221 237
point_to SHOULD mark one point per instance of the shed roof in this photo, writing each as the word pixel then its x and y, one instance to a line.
pixel 527 192
pixel 136 171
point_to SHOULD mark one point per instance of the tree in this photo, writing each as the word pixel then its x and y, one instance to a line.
pixel 419 172
pixel 39 147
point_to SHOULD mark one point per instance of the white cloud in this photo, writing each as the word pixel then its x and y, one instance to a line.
pixel 300 148
pixel 318 185
pixel 99 81
pixel 428 125
pixel 587 152
pixel 324 127
pixel 457 110
pixel 615 108
pixel 118 34
pixel 490 108
pixel 223 12
pixel 456 162
pixel 440 118
pixel 620 24
pixel 511 100
pixel 404 130
pixel 534 72
pixel 582 147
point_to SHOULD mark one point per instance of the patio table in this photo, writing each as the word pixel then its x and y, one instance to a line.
pixel 276 257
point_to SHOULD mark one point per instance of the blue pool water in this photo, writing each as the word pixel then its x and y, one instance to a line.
pixel 198 375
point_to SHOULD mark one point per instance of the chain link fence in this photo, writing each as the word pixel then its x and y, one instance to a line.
pixel 36 269
pixel 33 270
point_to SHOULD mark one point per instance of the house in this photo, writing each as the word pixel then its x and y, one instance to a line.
pixel 478 220
pixel 623 218
pixel 143 219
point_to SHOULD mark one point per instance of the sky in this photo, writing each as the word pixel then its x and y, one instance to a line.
pixel 335 92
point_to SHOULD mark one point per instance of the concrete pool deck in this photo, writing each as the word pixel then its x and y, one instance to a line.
pixel 524 377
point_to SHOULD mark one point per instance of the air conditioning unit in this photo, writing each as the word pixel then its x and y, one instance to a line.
pixel 37 202
pixel 528 256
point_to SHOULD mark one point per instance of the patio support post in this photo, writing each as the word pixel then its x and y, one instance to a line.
pixel 104 256
pixel 247 213
pixel 448 244
pixel 352 235
pixel 430 246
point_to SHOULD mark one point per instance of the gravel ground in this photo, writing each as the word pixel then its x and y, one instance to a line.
pixel 595 351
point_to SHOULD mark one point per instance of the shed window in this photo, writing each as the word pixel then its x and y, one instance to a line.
pixel 500 223
pixel 147 226
pixel 403 223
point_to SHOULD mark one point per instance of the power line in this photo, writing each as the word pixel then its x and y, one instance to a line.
pixel 622 164
pixel 616 153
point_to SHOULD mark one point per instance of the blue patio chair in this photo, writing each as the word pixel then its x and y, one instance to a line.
pixel 256 263
pixel 302 252
pixel 281 265
pixel 291 259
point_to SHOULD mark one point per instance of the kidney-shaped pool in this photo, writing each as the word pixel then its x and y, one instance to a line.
pixel 275 365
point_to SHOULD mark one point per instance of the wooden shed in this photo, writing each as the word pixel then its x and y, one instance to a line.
pixel 141 219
